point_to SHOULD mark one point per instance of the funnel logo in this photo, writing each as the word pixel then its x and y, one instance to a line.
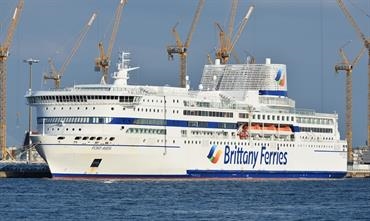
pixel 280 78
pixel 212 156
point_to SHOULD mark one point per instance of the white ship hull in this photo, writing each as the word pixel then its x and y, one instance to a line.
pixel 71 160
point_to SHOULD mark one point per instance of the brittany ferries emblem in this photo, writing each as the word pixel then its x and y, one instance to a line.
pixel 212 156
pixel 279 78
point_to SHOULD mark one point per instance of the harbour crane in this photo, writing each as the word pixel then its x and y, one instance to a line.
pixel 182 48
pixel 224 39
pixel 348 66
pixel 366 42
pixel 57 75
pixel 4 54
pixel 227 42
pixel 103 61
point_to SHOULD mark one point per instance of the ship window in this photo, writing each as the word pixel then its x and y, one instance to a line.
pixel 60 138
pixel 96 163
pixel 92 138
pixel 77 138
pixel 99 138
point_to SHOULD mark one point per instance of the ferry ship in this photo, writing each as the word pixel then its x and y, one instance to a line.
pixel 240 123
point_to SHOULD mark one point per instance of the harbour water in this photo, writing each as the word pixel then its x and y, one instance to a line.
pixel 47 199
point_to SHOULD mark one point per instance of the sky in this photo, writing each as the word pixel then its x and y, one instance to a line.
pixel 305 35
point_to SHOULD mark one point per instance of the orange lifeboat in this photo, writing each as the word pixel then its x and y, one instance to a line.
pixel 269 128
pixel 285 128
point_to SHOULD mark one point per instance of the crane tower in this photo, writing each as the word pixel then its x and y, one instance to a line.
pixel 346 66
pixel 4 54
pixel 57 75
pixel 103 61
pixel 366 42
pixel 181 48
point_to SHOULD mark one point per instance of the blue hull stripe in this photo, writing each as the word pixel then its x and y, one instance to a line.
pixel 274 93
pixel 223 174
pixel 266 174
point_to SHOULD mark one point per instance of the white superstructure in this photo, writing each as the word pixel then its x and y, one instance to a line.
pixel 239 124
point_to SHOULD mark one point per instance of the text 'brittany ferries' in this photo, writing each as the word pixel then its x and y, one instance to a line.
pixel 240 156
